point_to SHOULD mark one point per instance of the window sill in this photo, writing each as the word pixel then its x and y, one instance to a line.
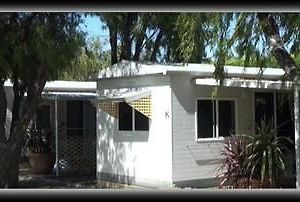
pixel 207 140
pixel 132 133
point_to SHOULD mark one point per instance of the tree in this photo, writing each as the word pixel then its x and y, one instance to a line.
pixel 40 46
pixel 90 59
pixel 137 36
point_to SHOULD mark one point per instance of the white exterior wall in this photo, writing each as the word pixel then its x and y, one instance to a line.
pixel 194 159
pixel 145 157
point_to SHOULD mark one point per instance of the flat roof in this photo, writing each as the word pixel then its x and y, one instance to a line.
pixel 66 86
pixel 129 68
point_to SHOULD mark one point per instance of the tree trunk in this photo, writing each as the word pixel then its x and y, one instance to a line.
pixel 10 149
pixel 156 46
pixel 3 105
pixel 271 31
pixel 113 45
pixel 140 37
pixel 138 47
pixel 126 42
pixel 288 64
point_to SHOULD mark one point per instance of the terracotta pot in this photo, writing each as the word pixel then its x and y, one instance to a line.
pixel 41 163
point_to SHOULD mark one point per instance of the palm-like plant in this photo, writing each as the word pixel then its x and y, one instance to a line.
pixel 264 152
pixel 231 167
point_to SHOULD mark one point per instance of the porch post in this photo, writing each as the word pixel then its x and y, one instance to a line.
pixel 56 139
pixel 297 149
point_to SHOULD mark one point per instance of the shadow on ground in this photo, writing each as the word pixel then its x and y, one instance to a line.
pixel 27 180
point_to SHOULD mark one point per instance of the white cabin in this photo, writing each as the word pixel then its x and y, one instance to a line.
pixel 165 125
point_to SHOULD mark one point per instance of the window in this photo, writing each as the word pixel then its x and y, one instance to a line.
pixel 277 106
pixel 125 116
pixel 264 107
pixel 74 118
pixel 215 118
pixel 131 119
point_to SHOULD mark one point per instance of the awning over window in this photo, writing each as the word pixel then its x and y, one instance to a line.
pixel 123 95
pixel 140 100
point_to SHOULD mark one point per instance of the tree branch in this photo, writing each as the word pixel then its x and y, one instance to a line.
pixel 271 31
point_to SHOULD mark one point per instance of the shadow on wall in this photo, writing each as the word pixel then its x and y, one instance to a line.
pixel 111 154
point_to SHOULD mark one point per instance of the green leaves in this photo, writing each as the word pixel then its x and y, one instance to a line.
pixel 255 157
pixel 265 150
pixel 87 63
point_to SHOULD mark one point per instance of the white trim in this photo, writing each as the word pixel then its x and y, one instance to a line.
pixel 216 112
pixel 61 85
pixel 245 83
pixel 69 95
pixel 216 136
pixel 130 68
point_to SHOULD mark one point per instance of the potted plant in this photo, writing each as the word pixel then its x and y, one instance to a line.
pixel 40 154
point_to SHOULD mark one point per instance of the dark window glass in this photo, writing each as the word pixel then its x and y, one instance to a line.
pixel 226 118
pixel 43 117
pixel 285 115
pixel 141 121
pixel 74 117
pixel 205 119
pixel 125 116
pixel 264 107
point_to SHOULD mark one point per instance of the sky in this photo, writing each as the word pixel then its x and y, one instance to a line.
pixel 93 27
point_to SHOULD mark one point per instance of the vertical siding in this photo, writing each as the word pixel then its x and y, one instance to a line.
pixel 144 157
pixel 199 160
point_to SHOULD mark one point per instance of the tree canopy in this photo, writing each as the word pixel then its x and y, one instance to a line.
pixel 38 46
pixel 220 38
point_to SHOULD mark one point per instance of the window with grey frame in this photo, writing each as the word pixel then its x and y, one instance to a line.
pixel 215 118
pixel 131 119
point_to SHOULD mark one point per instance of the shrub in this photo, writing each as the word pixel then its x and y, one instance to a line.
pixel 254 159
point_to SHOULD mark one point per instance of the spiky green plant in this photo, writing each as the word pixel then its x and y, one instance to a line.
pixel 264 152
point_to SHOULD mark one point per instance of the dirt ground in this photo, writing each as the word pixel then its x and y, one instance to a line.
pixel 29 181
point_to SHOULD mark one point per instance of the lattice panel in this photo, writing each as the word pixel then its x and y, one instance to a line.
pixel 109 107
pixel 142 105
pixel 77 154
